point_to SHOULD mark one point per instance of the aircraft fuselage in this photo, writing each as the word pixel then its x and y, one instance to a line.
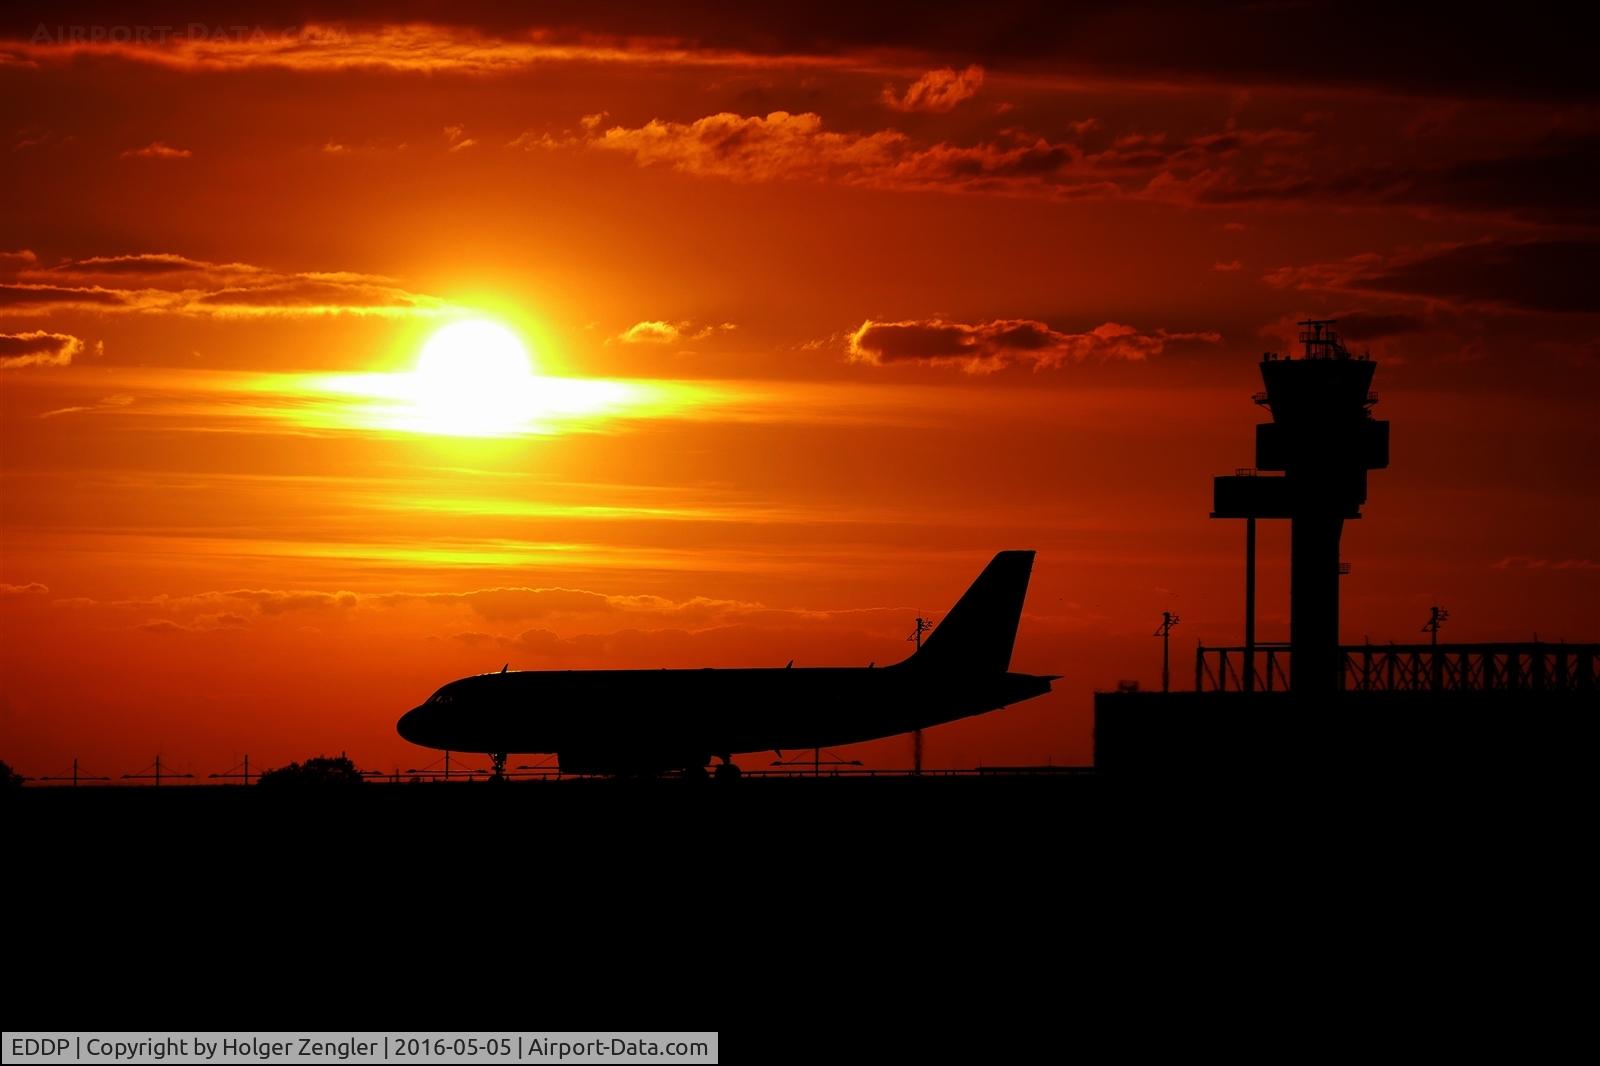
pixel 609 719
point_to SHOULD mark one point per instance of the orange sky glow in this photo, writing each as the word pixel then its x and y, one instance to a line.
pixel 798 323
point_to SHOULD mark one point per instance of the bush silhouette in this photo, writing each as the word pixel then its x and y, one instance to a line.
pixel 9 778
pixel 323 771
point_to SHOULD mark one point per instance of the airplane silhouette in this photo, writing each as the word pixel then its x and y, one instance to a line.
pixel 652 721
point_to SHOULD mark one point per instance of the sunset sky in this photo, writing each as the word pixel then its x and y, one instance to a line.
pixel 823 310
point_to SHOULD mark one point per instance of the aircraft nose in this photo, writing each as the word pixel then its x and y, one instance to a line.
pixel 410 725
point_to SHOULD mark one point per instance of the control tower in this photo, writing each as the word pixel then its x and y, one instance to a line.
pixel 1404 712
pixel 1322 440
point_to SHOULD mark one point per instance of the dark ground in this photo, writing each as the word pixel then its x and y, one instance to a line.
pixel 723 901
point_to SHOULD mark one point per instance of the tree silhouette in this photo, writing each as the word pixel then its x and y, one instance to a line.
pixel 323 771
pixel 9 778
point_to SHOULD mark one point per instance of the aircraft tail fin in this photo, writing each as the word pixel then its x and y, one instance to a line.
pixel 978 633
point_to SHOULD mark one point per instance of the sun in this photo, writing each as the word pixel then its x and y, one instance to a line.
pixel 474 379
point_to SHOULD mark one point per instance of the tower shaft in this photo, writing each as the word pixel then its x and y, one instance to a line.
pixel 1314 601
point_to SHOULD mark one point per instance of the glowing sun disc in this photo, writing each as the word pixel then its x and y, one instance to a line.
pixel 474 378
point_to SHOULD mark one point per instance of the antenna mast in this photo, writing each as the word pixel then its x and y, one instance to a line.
pixel 1164 631
pixel 923 626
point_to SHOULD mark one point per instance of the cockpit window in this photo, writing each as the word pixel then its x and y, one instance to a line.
pixel 439 697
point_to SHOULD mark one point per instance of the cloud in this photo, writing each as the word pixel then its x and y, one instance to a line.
pixel 157 150
pixel 272 601
pixel 651 332
pixel 105 403
pixel 205 623
pixel 1552 182
pixel 988 346
pixel 37 348
pixel 166 283
pixel 265 601
pixel 506 603
pixel 456 137
pixel 654 331
pixel 1526 562
pixel 1534 275
pixel 32 588
pixel 37 297
pixel 937 91
pixel 421 41
pixel 621 626
pixel 511 603
pixel 1235 43
pixel 146 265
pixel 1229 267
pixel 309 294
pixel 782 146
pixel 1549 182
pixel 1537 275
pixel 753 148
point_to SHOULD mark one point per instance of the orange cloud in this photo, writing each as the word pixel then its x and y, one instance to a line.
pixel 309 294
pixel 272 601
pixel 505 604
pixel 205 623
pixel 266 601
pixel 175 284
pixel 157 150
pixel 1210 45
pixel 989 346
pixel 786 146
pixel 37 348
pixel 23 298
pixel 32 588
pixel 104 404
pixel 755 148
pixel 411 47
pixel 211 610
pixel 937 91
pixel 102 266
pixel 659 332
pixel 651 332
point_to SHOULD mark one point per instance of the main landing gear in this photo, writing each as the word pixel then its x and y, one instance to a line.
pixel 498 759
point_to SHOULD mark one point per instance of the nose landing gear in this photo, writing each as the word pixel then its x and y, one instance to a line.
pixel 498 759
